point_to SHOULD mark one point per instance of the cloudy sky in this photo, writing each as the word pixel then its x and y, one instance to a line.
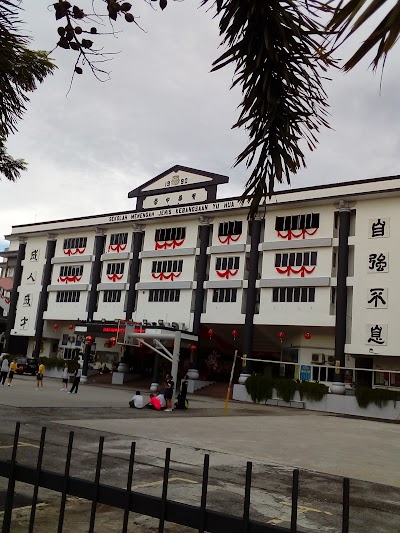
pixel 162 107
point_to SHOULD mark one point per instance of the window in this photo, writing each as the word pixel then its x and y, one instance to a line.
pixel 167 266
pixel 164 295
pixel 112 296
pixel 293 294
pixel 68 297
pixel 118 238
pixel 224 295
pixel 230 228
pixel 75 242
pixel 297 222
pixel 71 353
pixel 115 268
pixel 71 270
pixel 296 259
pixel 333 295
pixel 170 234
pixel 227 263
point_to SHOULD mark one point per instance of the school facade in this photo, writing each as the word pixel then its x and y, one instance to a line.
pixel 312 279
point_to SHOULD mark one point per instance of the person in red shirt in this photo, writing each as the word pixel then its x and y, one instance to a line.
pixel 154 403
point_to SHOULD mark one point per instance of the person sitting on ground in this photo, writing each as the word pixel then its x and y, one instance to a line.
pixel 161 399
pixel 137 401
pixel 105 369
pixel 182 402
pixel 154 403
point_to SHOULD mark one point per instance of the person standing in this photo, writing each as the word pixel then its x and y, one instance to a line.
pixel 4 369
pixel 39 376
pixel 13 368
pixel 169 392
pixel 65 377
pixel 77 379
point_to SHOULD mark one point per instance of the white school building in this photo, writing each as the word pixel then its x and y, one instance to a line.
pixel 311 280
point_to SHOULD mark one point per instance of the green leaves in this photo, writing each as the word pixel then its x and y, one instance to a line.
pixel 277 52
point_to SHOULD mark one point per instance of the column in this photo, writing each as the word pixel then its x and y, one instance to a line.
pixel 205 229
pixel 341 295
pixel 251 298
pixel 99 242
pixel 43 296
pixel 14 293
pixel 137 239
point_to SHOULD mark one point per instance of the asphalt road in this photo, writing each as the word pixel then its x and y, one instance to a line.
pixel 375 507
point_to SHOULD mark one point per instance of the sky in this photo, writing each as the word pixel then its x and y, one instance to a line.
pixel 163 107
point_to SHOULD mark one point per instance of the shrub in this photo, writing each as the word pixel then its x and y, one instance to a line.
pixel 312 391
pixel 259 387
pixel 380 397
pixel 285 388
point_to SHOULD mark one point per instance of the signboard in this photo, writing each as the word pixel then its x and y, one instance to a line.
pixel 305 372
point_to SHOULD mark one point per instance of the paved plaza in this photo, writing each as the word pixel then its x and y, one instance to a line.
pixel 324 447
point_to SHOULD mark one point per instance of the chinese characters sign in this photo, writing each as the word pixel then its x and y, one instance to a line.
pixel 34 255
pixel 377 298
pixel 376 334
pixel 378 227
pixel 378 262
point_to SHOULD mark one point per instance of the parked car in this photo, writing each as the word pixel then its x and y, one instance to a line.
pixel 26 365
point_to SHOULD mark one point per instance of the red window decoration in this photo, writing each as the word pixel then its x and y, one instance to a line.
pixel 227 267
pixel 115 277
pixel 74 246
pixel 118 242
pixel 229 232
pixel 70 274
pixel 169 238
pixel 296 263
pixel 167 270
pixel 297 226
pixel 69 279
pixel 6 300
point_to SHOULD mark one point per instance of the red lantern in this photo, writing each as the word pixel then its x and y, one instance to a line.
pixel 281 335
pixel 56 326
pixel 113 341
pixel 193 348
pixel 235 333
pixel 89 339
pixel 210 333
pixel 307 336
pixel 70 327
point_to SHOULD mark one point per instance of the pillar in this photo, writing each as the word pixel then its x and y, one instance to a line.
pixel 137 239
pixel 251 298
pixel 12 312
pixel 99 242
pixel 43 296
pixel 341 294
pixel 205 229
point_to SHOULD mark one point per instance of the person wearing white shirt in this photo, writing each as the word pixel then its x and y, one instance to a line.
pixel 5 368
pixel 162 401
pixel 137 401
pixel 77 379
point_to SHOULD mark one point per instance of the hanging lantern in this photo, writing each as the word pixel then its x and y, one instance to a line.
pixel 56 326
pixel 71 327
pixel 193 348
pixel 113 341
pixel 89 339
pixel 235 333
pixel 281 335
pixel 141 345
pixel 307 336
pixel 210 333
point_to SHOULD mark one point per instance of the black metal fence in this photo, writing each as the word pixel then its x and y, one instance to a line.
pixel 164 510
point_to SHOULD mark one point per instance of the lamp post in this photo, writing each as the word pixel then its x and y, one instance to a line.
pixel 228 394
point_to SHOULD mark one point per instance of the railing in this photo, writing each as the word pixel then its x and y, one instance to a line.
pixel 197 517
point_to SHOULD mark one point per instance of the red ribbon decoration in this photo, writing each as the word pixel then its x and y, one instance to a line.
pixel 117 247
pixel 302 270
pixel 69 279
pixel 115 277
pixel 162 275
pixel 291 235
pixel 226 273
pixel 168 244
pixel 5 299
pixel 77 251
pixel 229 239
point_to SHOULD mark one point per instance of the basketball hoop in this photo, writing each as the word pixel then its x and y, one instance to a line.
pixel 125 330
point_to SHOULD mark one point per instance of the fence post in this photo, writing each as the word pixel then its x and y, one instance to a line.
pixel 164 491
pixel 204 487
pixel 295 498
pixel 11 484
pixel 246 506
pixel 96 485
pixel 129 488
pixel 346 505
pixel 66 481
pixel 37 481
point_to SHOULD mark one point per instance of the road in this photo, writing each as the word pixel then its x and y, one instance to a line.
pixel 274 439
